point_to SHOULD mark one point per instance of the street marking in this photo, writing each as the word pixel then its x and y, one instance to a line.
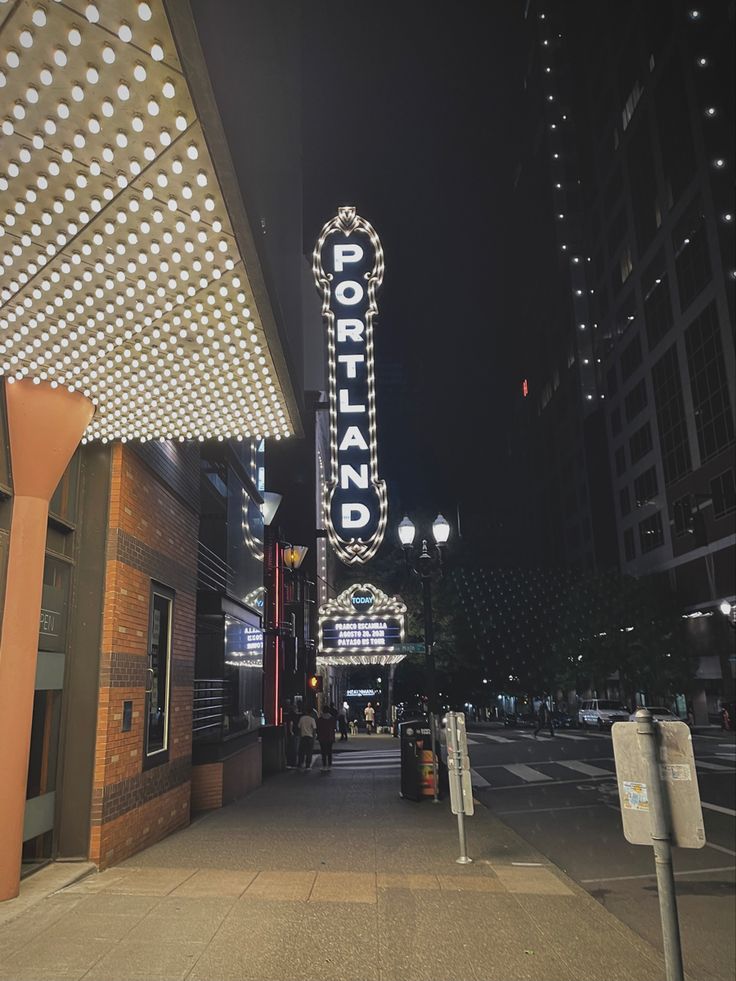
pixel 495 739
pixel 526 773
pixel 586 768
pixel 653 875
pixel 477 780
pixel 721 810
pixel 526 735
pixel 726 756
pixel 599 735
pixel 544 810
pixel 529 865
pixel 567 735
pixel 720 848
pixel 714 766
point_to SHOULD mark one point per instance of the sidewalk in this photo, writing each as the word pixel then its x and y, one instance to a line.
pixel 326 877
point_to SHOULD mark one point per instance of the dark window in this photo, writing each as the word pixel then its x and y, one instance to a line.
pixel 646 487
pixel 624 501
pixel 614 190
pixel 723 491
pixel 690 244
pixel 616 422
pixel 636 400
pixel 674 443
pixel 675 133
pixel 612 381
pixel 640 443
pixel 708 383
pixel 657 303
pixel 617 231
pixel 630 358
pixel 643 183
pixel 620 460
pixel 629 550
pixel 682 516
pixel 651 532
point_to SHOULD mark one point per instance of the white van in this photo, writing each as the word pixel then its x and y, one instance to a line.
pixel 602 713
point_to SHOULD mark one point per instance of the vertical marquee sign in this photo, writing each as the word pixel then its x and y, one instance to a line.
pixel 348 269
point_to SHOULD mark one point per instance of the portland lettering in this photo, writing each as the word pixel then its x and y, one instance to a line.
pixel 348 269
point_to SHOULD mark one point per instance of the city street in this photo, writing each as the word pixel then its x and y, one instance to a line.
pixel 560 795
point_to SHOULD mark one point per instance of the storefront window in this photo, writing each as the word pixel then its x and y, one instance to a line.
pixel 243 673
pixel 159 671
pixel 63 504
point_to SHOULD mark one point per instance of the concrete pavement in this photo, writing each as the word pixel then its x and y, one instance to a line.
pixel 322 876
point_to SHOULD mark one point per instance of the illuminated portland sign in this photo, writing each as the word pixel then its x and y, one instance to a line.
pixel 348 269
pixel 362 619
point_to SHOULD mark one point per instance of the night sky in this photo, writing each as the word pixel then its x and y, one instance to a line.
pixel 409 114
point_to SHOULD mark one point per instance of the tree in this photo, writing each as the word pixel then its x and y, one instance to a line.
pixel 543 629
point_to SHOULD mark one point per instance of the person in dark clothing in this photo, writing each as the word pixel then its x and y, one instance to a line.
pixel 544 719
pixel 291 721
pixel 326 736
pixel 342 725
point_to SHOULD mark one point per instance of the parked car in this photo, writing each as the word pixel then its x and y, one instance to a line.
pixel 564 720
pixel 519 719
pixel 658 711
pixel 602 713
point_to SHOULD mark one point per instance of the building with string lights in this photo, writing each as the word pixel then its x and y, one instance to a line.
pixel 151 350
pixel 627 417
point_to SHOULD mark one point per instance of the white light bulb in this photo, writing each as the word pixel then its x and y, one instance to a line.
pixel 125 33
pixel 108 54
pixel 157 52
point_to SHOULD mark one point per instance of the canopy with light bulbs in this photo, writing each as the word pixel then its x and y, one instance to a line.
pixel 128 270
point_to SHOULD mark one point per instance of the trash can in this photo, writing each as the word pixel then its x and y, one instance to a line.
pixel 415 737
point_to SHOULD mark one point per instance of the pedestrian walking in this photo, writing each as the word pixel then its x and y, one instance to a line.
pixel 291 721
pixel 370 714
pixel 544 719
pixel 326 737
pixel 307 729
pixel 342 725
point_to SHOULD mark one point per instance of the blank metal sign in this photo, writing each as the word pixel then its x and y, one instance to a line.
pixel 677 776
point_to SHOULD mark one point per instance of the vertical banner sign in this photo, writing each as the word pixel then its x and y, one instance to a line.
pixel 348 269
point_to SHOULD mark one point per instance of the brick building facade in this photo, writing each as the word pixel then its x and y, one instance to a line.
pixel 152 539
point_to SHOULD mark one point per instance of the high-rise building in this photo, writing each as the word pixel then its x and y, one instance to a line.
pixel 629 332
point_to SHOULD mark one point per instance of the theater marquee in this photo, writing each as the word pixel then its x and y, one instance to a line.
pixel 348 269
pixel 361 621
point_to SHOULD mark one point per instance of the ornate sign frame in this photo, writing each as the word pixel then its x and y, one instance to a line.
pixel 341 607
pixel 346 302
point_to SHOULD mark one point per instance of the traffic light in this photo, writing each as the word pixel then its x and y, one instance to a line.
pixel 315 682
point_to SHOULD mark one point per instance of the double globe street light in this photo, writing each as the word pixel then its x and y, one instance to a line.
pixel 423 565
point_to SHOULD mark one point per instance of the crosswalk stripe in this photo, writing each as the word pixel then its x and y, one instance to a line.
pixel 368 766
pixel 568 735
pixel 527 774
pixel 586 768
pixel 477 780
pixel 713 766
pixel 599 735
pixel 494 738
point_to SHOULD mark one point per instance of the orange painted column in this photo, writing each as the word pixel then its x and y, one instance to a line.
pixel 45 426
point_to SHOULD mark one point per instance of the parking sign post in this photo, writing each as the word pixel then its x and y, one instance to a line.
pixel 646 735
pixel 461 790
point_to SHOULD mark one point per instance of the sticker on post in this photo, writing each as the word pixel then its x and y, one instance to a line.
pixel 675 771
pixel 635 796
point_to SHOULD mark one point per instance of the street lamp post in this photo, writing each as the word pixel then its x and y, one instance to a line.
pixel 424 567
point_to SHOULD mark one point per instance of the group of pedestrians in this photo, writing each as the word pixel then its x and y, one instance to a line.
pixel 301 730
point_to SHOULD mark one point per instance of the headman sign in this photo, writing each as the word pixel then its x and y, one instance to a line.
pixel 348 269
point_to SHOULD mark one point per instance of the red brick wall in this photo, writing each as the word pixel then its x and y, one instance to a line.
pixel 152 536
